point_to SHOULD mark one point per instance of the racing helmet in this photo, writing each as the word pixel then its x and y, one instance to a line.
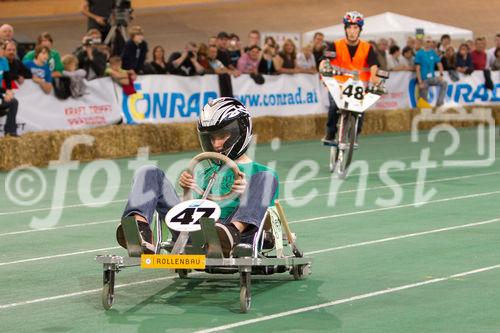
pixel 225 116
pixel 353 17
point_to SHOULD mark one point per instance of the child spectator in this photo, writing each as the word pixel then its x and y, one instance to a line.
pixel 463 61
pixel 267 62
pixel 158 65
pixel 54 61
pixel 124 78
pixel 39 68
pixel 305 60
pixel 76 76
pixel 135 50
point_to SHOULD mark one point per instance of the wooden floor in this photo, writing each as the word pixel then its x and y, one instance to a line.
pixel 176 22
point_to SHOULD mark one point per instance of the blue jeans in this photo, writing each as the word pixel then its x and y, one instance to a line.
pixel 151 190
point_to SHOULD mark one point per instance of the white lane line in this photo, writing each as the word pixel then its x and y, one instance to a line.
pixel 469 225
pixel 58 228
pixel 62 255
pixel 85 292
pixel 366 211
pixel 348 300
pixel 57 207
pixel 282 199
pixel 415 234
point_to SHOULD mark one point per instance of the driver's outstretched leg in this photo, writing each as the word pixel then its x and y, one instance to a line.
pixel 151 191
pixel 331 124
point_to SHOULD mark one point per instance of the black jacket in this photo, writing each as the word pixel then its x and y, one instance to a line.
pixel 134 56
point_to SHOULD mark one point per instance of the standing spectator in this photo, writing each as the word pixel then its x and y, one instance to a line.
pixel 463 61
pixel 98 13
pixel 217 67
pixel 39 68
pixel 135 50
pixel 448 59
pixel 318 47
pixel 418 45
pixel 407 59
pixel 8 104
pixel 90 56
pixel 235 49
pixel 185 63
pixel 253 39
pixel 6 32
pixel 76 76
pixel 305 60
pixel 491 52
pixel 287 59
pixel 18 72
pixel 470 44
pixel 425 61
pixel 495 65
pixel 270 41
pixel 381 51
pixel 158 65
pixel 411 42
pixel 479 54
pixel 267 62
pixel 203 55
pixel 223 53
pixel 212 41
pixel 54 62
pixel 249 61
pixel 444 43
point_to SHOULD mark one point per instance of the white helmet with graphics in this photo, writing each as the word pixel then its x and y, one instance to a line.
pixel 226 117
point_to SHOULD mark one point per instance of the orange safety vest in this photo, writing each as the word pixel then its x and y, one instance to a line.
pixel 358 63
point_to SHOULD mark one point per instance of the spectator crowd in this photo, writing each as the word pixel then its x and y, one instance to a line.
pixel 224 54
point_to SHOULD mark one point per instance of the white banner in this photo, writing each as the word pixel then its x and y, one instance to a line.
pixel 280 95
pixel 168 98
pixel 40 112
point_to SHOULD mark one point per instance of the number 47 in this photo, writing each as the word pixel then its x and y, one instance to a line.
pixel 186 216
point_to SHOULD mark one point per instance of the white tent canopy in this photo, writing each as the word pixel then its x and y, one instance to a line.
pixel 391 25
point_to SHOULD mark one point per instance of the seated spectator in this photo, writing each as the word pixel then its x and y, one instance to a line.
pixel 495 66
pixel 18 72
pixel 407 59
pixel 185 63
pixel 305 60
pixel 267 61
pixel 448 59
pixel 393 59
pixel 54 62
pixel 123 77
pixel 8 104
pixel 463 61
pixel 235 49
pixel 91 56
pixel 286 62
pixel 249 61
pixel 479 54
pixel 381 52
pixel 443 44
pixel 158 65
pixel 135 50
pixel 76 76
pixel 40 71
pixel 253 39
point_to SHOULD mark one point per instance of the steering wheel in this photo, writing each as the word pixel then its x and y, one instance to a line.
pixel 218 157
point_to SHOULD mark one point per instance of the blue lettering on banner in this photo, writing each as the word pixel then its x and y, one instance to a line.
pixel 279 99
pixel 459 92
pixel 143 106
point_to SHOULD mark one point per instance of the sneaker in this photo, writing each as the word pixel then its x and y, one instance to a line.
pixel 229 236
pixel 356 144
pixel 329 140
pixel 146 235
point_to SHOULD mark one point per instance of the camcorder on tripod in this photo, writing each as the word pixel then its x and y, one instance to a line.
pixel 120 19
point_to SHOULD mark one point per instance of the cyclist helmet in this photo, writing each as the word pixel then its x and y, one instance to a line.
pixel 353 17
pixel 225 116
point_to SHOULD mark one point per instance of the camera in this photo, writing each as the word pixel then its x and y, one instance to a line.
pixel 190 54
pixel 122 12
pixel 91 41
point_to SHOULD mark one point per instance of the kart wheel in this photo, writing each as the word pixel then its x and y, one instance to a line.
pixel 334 152
pixel 108 289
pixel 245 299
pixel 349 136
pixel 183 273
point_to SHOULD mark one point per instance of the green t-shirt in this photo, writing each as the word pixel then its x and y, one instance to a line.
pixel 54 62
pixel 255 174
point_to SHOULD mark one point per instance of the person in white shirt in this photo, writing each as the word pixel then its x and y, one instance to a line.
pixel 305 60
pixel 490 53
